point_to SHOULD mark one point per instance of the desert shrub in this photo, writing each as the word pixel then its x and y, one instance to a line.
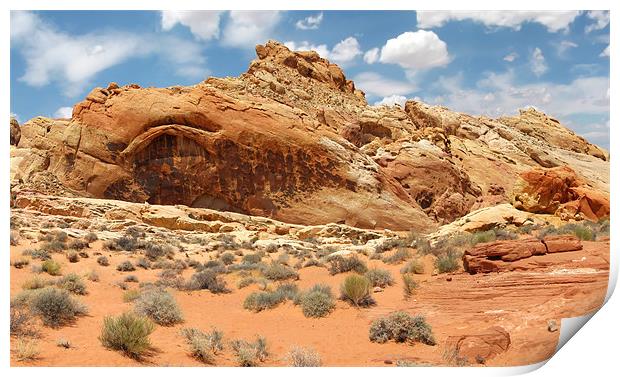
pixel 401 327
pixel 92 275
pixel 125 266
pixel 356 289
pixel 391 243
pixel 251 258
pixel 73 257
pixel 37 254
pixel 21 320
pixel 303 357
pixel 481 237
pixel 135 231
pixel 77 244
pixel 207 279
pixel 160 306
pixel 409 285
pixel 26 349
pixel 54 246
pixel 249 354
pixel 131 279
pixel 227 258
pixel 312 262
pixel 72 283
pixel 154 251
pixel 288 290
pixel 128 333
pixel 316 303
pixel 400 255
pixel 170 277
pixel 20 263
pixel 55 306
pixel 60 236
pixel 379 277
pixel 447 261
pixel 51 267
pixel 259 301
pixel 131 295
pixel 414 266
pixel 36 282
pixel 277 271
pixel 126 243
pixel 339 264
pixel 249 280
pixel 423 246
pixel 103 260
pixel 143 263
pixel 204 346
pixel 215 266
pixel 91 237
pixel 64 343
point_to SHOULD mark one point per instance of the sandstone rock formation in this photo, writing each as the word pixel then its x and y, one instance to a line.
pixel 497 256
pixel 479 348
pixel 561 192
pixel 293 139
pixel 16 132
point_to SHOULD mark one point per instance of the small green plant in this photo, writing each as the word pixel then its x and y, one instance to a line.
pixel 51 267
pixel 448 261
pixel 409 285
pixel 379 277
pixel 340 264
pixel 72 283
pixel 401 327
pixel 303 357
pixel 128 333
pixel 356 290
pixel 160 306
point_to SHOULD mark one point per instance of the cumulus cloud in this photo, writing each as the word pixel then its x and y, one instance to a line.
pixel 310 22
pixel 247 28
pixel 511 57
pixel 605 52
pixel 371 56
pixel 204 24
pixel 600 18
pixel 64 112
pixel 538 65
pixel 72 60
pixel 554 21
pixel 392 100
pixel 564 46
pixel 343 52
pixel 418 50
pixel 380 86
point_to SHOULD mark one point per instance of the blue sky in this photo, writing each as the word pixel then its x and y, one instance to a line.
pixel 489 63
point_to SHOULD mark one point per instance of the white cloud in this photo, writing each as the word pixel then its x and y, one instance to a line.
pixel 310 22
pixel 247 28
pixel 554 21
pixel 564 46
pixel 601 20
pixel 380 86
pixel 538 65
pixel 343 52
pixel 371 56
pixel 605 52
pixel 392 100
pixel 64 112
pixel 499 94
pixel 71 61
pixel 511 57
pixel 415 51
pixel 204 24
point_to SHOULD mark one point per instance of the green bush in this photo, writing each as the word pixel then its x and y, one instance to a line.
pixel 448 261
pixel 51 267
pixel 379 277
pixel 316 304
pixel 401 327
pixel 160 306
pixel 72 283
pixel 55 306
pixel 277 271
pixel 259 301
pixel 204 346
pixel 414 266
pixel 400 255
pixel 128 333
pixel 409 285
pixel 125 266
pixel 356 290
pixel 303 357
pixel 339 264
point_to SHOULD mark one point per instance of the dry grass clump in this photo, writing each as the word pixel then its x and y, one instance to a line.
pixel 414 266
pixel 72 283
pixel 340 264
pixel 409 285
pixel 204 346
pixel 26 349
pixel 448 261
pixel 356 290
pixel 379 277
pixel 278 271
pixel 160 306
pixel 128 333
pixel 249 354
pixel 207 279
pixel 401 327
pixel 51 267
pixel 303 357
pixel 400 255
pixel 103 260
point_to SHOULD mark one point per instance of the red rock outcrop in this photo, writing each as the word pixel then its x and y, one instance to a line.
pixel 497 256
pixel 479 348
pixel 561 192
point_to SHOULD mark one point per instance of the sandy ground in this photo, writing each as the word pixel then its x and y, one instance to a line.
pixel 562 285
